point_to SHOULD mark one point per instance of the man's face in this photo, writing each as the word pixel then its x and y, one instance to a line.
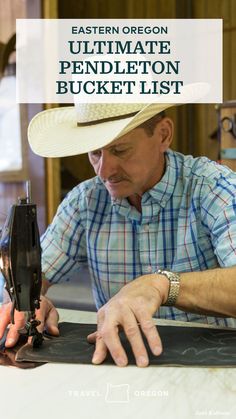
pixel 134 163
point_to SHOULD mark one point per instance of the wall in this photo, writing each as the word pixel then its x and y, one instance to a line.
pixel 10 191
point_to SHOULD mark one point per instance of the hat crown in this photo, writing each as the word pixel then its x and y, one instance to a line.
pixel 88 112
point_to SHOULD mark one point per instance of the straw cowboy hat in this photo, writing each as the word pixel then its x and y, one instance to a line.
pixel 71 130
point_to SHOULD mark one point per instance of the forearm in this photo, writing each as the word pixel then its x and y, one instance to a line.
pixel 209 292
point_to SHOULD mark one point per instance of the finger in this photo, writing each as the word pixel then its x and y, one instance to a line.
pixel 52 322
pixel 91 338
pixel 43 312
pixel 133 334
pixel 110 336
pixel 150 331
pixel 100 352
pixel 13 334
pixel 5 318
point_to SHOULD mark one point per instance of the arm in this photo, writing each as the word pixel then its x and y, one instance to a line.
pixel 64 242
pixel 208 292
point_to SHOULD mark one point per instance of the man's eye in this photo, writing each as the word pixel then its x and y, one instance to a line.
pixel 120 152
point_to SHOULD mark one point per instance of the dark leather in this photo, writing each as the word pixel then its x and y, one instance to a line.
pixel 183 346
pixel 8 356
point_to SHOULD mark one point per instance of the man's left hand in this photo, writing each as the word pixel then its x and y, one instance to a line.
pixel 133 306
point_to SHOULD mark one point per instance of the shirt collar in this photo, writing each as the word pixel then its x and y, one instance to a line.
pixel 163 190
pixel 159 194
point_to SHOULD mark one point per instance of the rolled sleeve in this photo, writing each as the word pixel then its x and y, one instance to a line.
pixel 64 242
pixel 224 235
pixel 219 207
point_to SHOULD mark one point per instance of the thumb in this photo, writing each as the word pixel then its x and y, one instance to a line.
pixel 92 337
pixel 5 317
pixel 52 322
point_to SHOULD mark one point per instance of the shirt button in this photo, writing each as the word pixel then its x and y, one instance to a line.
pixel 146 228
pixel 149 268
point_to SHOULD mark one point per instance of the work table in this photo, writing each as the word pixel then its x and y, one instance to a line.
pixel 88 391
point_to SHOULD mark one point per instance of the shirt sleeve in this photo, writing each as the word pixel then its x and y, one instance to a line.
pixel 219 209
pixel 64 242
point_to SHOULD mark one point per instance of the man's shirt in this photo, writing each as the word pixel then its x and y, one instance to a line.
pixel 187 223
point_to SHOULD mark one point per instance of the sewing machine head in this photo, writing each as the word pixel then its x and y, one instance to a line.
pixel 20 262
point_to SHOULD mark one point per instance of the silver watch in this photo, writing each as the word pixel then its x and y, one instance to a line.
pixel 174 280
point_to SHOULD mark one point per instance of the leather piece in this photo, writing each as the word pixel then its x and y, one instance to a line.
pixel 183 346
pixel 8 356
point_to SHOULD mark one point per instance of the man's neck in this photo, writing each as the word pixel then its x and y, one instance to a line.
pixel 136 200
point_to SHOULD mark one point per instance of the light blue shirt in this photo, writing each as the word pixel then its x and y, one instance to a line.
pixel 187 223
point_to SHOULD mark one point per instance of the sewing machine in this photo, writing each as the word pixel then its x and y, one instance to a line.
pixel 20 263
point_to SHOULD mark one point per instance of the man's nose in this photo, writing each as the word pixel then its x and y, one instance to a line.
pixel 107 165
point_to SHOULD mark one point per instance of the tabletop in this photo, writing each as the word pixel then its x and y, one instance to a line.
pixel 88 391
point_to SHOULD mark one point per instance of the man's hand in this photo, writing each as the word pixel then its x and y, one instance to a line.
pixel 132 306
pixel 47 315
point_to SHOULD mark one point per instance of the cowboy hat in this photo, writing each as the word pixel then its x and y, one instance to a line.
pixel 57 132
pixel 70 130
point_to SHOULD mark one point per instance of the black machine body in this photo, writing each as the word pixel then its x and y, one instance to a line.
pixel 20 258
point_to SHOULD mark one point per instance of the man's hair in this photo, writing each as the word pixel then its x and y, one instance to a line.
pixel 150 124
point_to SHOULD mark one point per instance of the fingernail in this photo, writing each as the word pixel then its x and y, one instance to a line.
pixel 121 362
pixel 96 359
pixel 142 361
pixel 55 330
pixel 157 350
pixel 9 341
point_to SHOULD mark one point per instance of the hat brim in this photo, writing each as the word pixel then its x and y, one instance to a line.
pixel 55 133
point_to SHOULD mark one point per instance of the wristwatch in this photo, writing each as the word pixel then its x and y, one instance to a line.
pixel 174 280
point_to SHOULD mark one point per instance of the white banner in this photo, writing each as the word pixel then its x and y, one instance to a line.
pixel 117 60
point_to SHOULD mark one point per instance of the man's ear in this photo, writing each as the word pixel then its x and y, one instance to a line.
pixel 166 132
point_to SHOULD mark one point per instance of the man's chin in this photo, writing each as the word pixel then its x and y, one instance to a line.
pixel 115 193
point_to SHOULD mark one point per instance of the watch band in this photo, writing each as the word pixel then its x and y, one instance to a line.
pixel 174 280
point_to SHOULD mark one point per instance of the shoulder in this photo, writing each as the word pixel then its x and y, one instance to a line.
pixel 203 171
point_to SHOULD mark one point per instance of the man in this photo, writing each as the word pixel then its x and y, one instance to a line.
pixel 154 226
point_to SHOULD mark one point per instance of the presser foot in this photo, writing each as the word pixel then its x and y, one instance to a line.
pixel 30 330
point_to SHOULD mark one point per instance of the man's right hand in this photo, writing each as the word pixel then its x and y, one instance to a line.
pixel 46 314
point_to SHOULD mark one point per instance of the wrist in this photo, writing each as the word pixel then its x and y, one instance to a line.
pixel 162 285
pixel 174 286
